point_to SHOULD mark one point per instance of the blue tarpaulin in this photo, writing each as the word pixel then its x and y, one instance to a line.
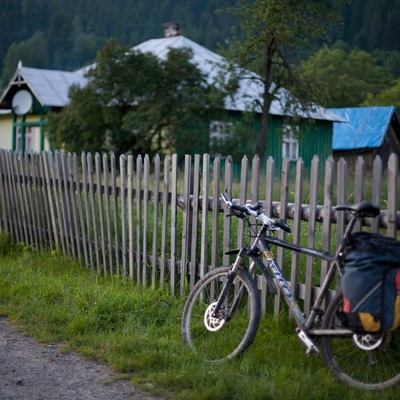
pixel 366 127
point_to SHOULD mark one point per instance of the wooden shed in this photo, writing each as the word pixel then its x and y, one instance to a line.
pixel 368 132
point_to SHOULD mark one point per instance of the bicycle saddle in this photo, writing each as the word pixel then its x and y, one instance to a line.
pixel 363 209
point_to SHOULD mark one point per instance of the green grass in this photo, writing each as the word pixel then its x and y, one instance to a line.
pixel 137 332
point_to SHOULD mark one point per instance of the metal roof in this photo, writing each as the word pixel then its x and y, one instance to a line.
pixel 366 127
pixel 50 87
pixel 250 90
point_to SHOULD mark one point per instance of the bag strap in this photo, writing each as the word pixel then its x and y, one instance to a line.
pixel 367 296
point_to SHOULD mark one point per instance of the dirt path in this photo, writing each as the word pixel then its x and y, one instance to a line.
pixel 33 371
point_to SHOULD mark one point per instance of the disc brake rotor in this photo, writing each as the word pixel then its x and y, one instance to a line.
pixel 213 323
pixel 369 341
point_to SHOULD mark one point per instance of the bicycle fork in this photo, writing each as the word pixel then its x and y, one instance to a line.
pixel 227 287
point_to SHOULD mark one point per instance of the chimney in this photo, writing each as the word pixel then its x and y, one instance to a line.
pixel 171 29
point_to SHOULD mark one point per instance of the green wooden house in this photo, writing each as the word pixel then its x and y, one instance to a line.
pixel 232 129
pixel 288 137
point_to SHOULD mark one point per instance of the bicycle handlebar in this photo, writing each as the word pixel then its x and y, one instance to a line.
pixel 254 211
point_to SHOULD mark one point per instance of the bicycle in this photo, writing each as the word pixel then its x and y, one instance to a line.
pixel 223 311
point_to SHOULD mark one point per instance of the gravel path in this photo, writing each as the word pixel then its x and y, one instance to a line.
pixel 33 371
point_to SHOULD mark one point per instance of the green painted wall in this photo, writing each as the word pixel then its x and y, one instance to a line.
pixel 315 138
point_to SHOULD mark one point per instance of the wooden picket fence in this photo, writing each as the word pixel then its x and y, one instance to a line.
pixel 162 224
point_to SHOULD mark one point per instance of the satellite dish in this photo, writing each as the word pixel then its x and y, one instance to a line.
pixel 22 102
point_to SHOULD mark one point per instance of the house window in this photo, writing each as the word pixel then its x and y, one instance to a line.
pixel 29 139
pixel 221 132
pixel 290 142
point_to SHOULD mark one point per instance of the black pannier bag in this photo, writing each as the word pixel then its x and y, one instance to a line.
pixel 371 283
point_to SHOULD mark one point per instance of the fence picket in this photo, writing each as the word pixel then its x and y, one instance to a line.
pixel 76 239
pixel 376 189
pixel 358 185
pixel 124 221
pixel 82 239
pixel 328 204
pixel 139 214
pixel 6 223
pixel 156 202
pixel 284 192
pixel 146 194
pixel 15 197
pixel 311 233
pixel 215 214
pixel 296 232
pixel 93 212
pixel 108 248
pixel 174 221
pixel 204 217
pixel 393 174
pixel 341 197
pixel 89 226
pixel 33 209
pixel 194 220
pixel 228 180
pixel 38 203
pixel 164 229
pixel 131 223
pixel 185 204
pixel 66 203
pixel 114 194
pixel 21 198
pixel 23 179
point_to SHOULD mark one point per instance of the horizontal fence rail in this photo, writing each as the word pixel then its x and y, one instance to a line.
pixel 162 224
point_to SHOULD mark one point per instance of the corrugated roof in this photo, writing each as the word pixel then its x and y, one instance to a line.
pixel 366 127
pixel 250 90
pixel 50 87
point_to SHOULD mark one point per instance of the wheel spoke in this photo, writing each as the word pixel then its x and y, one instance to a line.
pixel 370 361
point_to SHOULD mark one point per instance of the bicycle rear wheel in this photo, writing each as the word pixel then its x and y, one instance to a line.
pixel 369 362
pixel 233 331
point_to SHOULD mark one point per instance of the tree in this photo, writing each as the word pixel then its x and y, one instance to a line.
pixel 32 53
pixel 388 97
pixel 345 79
pixel 274 31
pixel 135 102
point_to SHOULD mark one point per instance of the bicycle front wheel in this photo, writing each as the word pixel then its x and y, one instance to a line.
pixel 370 361
pixel 230 332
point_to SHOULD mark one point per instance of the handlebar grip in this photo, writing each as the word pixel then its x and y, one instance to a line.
pixel 234 206
pixel 239 208
pixel 283 225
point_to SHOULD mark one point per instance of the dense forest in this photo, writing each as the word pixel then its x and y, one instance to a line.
pixel 66 34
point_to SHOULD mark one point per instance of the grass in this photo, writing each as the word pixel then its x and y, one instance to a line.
pixel 137 332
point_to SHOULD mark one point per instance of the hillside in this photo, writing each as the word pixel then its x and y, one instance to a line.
pixel 66 34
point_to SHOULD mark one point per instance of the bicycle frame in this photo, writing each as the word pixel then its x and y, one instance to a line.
pixel 273 274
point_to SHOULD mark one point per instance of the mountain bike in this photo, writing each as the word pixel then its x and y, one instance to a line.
pixel 223 311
